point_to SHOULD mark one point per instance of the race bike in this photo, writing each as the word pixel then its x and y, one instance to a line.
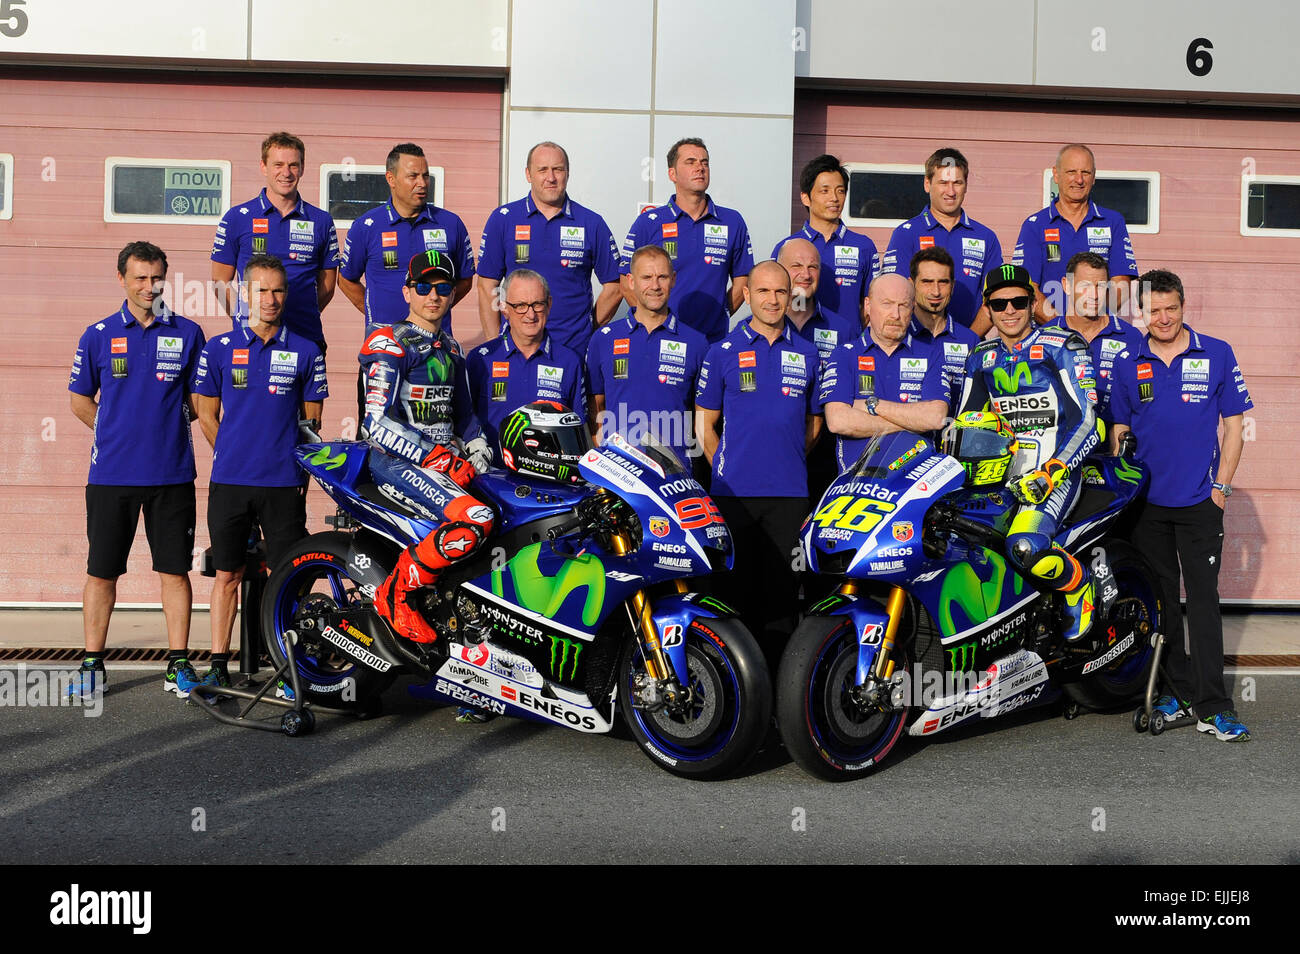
pixel 576 606
pixel 931 627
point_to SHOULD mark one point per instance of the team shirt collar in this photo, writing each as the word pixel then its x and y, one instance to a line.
pixel 426 212
pixel 530 207
pixel 750 334
pixel 915 328
pixel 931 222
pixel 1094 212
pixel 279 337
pixel 510 343
pixel 669 323
pixel 812 235
pixel 1193 344
pixel 165 315
pixel 867 342
pixel 710 211
pixel 267 207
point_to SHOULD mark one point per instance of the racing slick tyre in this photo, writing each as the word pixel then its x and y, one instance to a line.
pixel 310 580
pixel 825 731
pixel 727 716
pixel 1137 613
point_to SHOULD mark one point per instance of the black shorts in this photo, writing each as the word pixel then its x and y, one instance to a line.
pixel 280 511
pixel 113 513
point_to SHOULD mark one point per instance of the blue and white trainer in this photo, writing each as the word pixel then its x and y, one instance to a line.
pixel 1175 712
pixel 180 678
pixel 1225 726
pixel 87 680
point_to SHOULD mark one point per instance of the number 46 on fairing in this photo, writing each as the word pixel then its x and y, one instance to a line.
pixel 859 514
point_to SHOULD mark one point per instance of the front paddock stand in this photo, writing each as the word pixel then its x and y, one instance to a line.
pixel 299 717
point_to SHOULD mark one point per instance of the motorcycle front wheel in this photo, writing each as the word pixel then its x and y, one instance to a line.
pixel 730 707
pixel 823 729
pixel 313 578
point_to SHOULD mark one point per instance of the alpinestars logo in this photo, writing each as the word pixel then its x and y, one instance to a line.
pixel 564 652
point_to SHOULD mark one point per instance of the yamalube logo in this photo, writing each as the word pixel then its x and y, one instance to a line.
pixel 78 907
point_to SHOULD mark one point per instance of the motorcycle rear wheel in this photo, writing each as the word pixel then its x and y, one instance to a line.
pixel 825 732
pixel 315 569
pixel 729 715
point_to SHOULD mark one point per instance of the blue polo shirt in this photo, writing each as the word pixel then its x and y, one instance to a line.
pixel 502 380
pixel 706 255
pixel 261 386
pixel 974 248
pixel 648 379
pixel 765 393
pixel 1047 242
pixel 1174 411
pixel 1111 342
pixel 914 372
pixel 304 241
pixel 826 331
pixel 381 244
pixel 955 341
pixel 849 262
pixel 142 376
pixel 566 250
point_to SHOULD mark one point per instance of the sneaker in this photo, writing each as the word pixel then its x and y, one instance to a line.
pixel 87 680
pixel 1225 726
pixel 216 678
pixel 180 679
pixel 284 691
pixel 469 714
pixel 1175 712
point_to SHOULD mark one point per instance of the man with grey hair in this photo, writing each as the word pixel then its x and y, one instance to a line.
pixel 561 240
pixel 524 364
pixel 1072 224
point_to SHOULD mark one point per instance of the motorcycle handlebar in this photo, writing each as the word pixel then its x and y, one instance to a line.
pixel 972 531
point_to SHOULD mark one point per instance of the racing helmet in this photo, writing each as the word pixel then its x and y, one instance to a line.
pixel 544 439
pixel 983 443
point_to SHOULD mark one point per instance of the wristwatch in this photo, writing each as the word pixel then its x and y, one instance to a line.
pixel 871 405
pixel 1225 489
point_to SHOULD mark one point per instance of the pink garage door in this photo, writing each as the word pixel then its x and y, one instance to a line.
pixel 1239 288
pixel 58 256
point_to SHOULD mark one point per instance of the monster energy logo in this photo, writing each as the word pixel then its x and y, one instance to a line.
pixel 1146 391
pixel 239 377
pixel 866 384
pixel 322 456
pixel 1126 471
pixel 747 380
pixel 546 594
pixel 563 472
pixel 259 243
pixel 620 367
pixel 671 248
pixel 978 599
pixel 560 647
pixel 423 411
pixel 716 605
pixel 390 258
pixel 1010 383
pixel 514 427
pixel 119 367
pixel 961 658
pixel 498 390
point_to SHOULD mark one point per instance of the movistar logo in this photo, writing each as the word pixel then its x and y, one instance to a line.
pixel 1126 471
pixel 560 649
pixel 322 456
pixel 978 599
pixel 546 594
pixel 1010 383
pixel 514 427
pixel 438 366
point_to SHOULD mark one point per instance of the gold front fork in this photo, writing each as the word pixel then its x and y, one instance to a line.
pixel 656 665
pixel 884 667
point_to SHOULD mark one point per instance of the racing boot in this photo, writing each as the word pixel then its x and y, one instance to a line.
pixel 392 599
pixel 1080 600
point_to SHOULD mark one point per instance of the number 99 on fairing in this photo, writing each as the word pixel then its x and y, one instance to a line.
pixel 859 514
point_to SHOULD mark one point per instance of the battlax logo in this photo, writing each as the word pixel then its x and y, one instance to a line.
pixel 560 656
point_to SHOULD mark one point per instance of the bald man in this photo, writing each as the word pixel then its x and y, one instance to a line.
pixel 759 385
pixel 886 380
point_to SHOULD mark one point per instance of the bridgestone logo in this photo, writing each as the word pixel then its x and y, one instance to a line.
pixel 352 649
pixel 1110 656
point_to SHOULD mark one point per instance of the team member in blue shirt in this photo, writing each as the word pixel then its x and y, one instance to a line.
pixel 1087 291
pixel 384 239
pixel 945 224
pixel 559 239
pixel 1072 224
pixel 885 380
pixel 849 259
pixel 140 361
pixel 251 388
pixel 280 222
pixel 524 364
pixel 1172 391
pixel 707 244
pixel 932 272
pixel 643 368
pixel 759 387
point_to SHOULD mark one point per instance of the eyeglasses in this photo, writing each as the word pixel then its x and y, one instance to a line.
pixel 1019 303
pixel 523 307
pixel 423 288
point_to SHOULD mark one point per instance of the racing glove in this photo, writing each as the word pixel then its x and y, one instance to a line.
pixel 479 454
pixel 444 461
pixel 1036 486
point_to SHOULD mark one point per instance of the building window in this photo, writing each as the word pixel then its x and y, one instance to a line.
pixel 1134 195
pixel 1270 205
pixel 347 190
pixel 883 195
pixel 6 185
pixel 166 191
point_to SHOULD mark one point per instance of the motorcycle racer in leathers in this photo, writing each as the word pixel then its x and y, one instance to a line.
pixel 1040 380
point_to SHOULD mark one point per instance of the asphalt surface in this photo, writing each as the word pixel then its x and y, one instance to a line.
pixel 413 786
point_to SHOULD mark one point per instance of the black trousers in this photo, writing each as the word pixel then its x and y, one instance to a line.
pixel 1193 538
pixel 763 585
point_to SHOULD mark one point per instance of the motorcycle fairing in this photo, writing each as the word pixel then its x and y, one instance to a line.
pixel 675 614
pixel 869 618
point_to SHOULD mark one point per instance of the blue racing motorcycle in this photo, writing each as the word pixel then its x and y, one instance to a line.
pixel 930 627
pixel 575 608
